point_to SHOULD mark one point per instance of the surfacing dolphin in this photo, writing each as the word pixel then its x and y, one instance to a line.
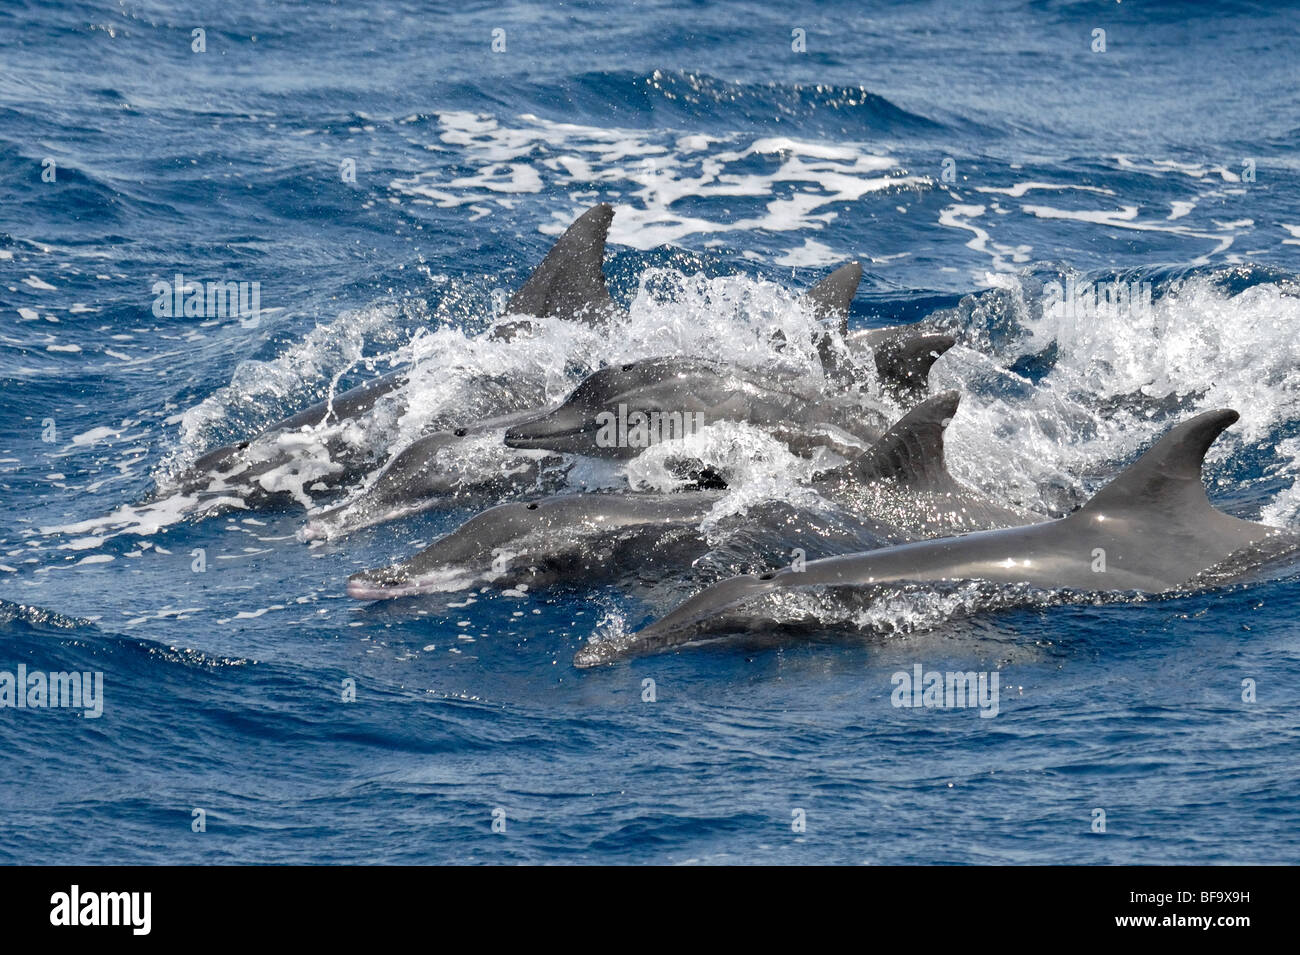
pixel 618 411
pixel 440 469
pixel 568 284
pixel 429 471
pixel 898 490
pixel 901 354
pixel 1152 530
pixel 903 481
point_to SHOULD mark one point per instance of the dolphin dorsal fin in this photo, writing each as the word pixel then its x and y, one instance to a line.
pixel 903 361
pixel 570 281
pixel 831 298
pixel 911 452
pixel 1167 478
pixel 829 301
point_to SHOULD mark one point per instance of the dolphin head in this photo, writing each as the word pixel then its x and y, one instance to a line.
pixel 412 482
pixel 662 385
pixel 452 562
pixel 490 547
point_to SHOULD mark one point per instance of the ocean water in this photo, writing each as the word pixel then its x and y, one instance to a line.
pixel 385 177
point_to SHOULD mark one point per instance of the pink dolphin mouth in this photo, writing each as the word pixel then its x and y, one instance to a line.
pixel 360 588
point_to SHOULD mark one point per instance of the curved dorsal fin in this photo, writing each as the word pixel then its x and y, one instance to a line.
pixel 1167 478
pixel 829 301
pixel 911 452
pixel 831 298
pixel 904 360
pixel 570 282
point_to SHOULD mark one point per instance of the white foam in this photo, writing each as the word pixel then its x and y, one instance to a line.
pixel 659 168
pixel 1214 349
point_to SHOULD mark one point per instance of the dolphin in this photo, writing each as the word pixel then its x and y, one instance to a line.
pixel 901 354
pixel 430 470
pixel 903 481
pixel 619 410
pixel 898 490
pixel 1152 530
pixel 568 284
pixel 565 537
pixel 436 469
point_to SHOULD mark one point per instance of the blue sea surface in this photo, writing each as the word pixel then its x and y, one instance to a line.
pixel 383 173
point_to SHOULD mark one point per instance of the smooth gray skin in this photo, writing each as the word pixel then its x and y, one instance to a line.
pixel 1153 523
pixel 540 542
pixel 829 299
pixel 903 481
pixel 416 481
pixel 718 391
pixel 900 488
pixel 568 284
pixel 902 354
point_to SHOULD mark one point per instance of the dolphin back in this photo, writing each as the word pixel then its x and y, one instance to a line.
pixel 570 281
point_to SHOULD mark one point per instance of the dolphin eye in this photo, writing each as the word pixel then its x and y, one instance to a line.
pixel 628 367
pixel 532 507
pixel 768 576
pixel 460 432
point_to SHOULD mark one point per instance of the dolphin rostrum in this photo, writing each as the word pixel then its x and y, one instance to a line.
pixel 1151 530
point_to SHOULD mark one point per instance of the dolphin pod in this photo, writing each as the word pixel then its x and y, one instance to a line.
pixel 898 490
pixel 874 448
pixel 1152 530
pixel 669 394
pixel 569 284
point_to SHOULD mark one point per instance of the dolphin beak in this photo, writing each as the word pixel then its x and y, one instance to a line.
pixel 548 432
pixel 383 584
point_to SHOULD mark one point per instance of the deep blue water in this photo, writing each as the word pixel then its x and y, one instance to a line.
pixel 1167 159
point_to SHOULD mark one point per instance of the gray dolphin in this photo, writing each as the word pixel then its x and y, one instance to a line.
pixel 618 411
pixel 901 354
pixel 1151 530
pixel 903 481
pixel 568 284
pixel 429 471
pixel 898 490
pixel 565 537
pixel 433 470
